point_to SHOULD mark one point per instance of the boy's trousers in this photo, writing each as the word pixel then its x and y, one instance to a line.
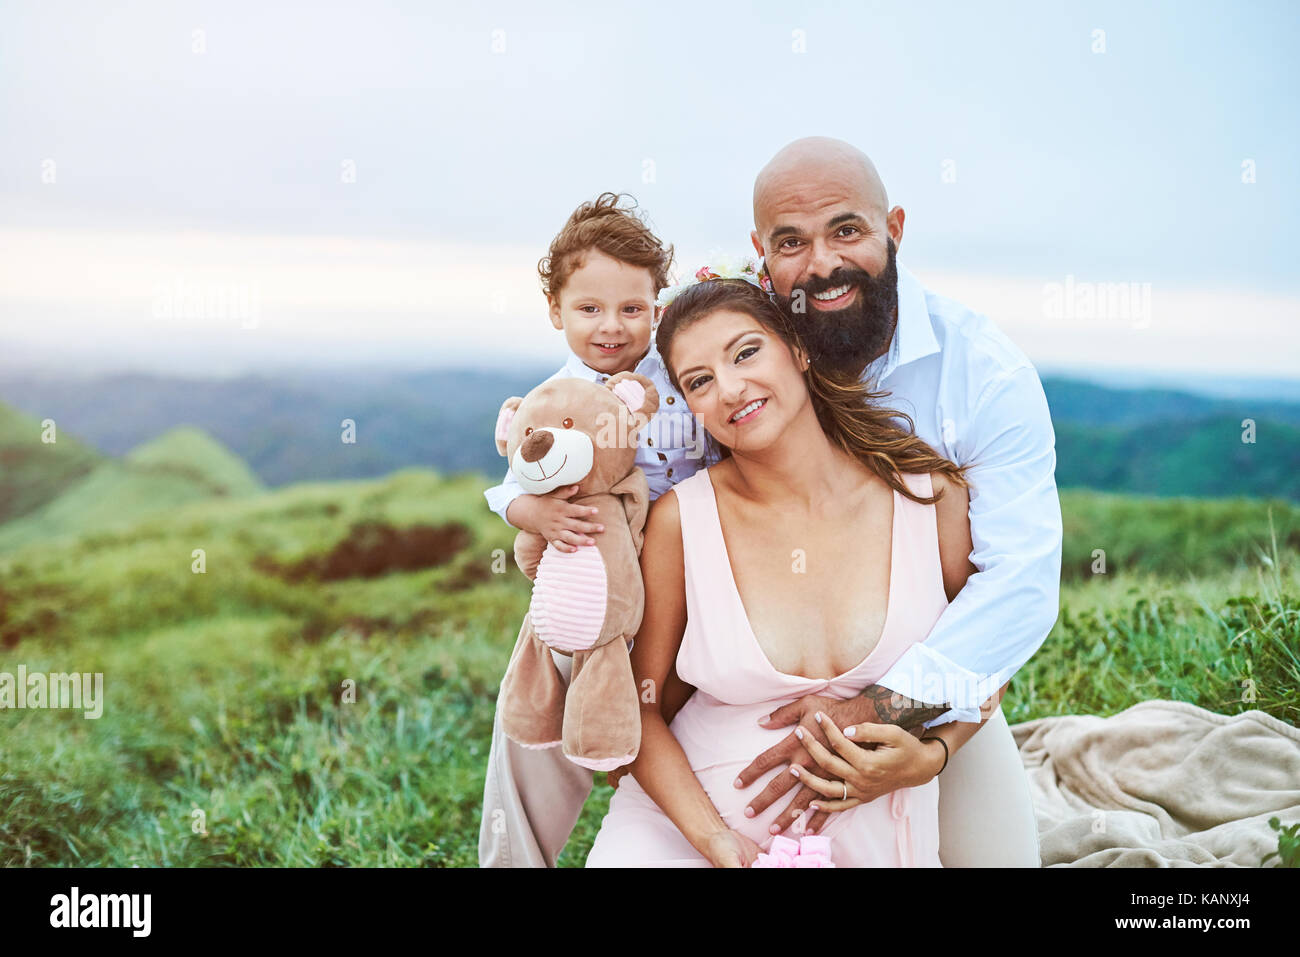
pixel 532 800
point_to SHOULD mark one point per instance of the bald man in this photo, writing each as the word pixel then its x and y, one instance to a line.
pixel 829 238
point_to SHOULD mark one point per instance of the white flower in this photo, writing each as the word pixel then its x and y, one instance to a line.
pixel 670 293
pixel 720 264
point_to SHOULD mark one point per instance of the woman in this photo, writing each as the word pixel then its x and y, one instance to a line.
pixel 825 542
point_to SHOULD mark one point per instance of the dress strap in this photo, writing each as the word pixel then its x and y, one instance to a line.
pixel 917 558
pixel 695 509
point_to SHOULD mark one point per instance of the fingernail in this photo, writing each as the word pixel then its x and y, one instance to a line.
pixel 848 732
pixel 798 733
pixel 591 541
pixel 814 807
pixel 600 528
pixel 818 717
pixel 794 769
pixel 774 829
pixel 737 783
pixel 765 719
pixel 749 812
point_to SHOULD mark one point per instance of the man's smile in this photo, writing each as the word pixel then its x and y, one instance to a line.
pixel 836 298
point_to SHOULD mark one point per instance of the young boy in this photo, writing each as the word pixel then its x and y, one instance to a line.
pixel 601 277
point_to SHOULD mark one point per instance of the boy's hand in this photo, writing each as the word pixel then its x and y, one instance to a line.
pixel 559 521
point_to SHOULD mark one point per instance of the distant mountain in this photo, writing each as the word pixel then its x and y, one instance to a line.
pixel 1205 458
pixel 182 465
pixel 1270 389
pixel 1157 441
pixel 289 429
pixel 1076 402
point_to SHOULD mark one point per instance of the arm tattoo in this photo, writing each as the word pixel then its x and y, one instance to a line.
pixel 890 707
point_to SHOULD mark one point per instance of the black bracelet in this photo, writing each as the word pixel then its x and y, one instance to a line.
pixel 935 737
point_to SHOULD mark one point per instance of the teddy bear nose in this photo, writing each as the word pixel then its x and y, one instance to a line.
pixel 537 445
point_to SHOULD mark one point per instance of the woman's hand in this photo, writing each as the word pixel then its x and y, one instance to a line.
pixel 730 849
pixel 898 760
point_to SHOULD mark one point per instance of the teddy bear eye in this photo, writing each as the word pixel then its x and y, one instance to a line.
pixel 528 431
pixel 567 423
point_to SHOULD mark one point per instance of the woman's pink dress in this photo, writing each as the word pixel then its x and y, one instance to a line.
pixel 736 685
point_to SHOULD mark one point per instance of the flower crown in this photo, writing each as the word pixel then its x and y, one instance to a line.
pixel 722 267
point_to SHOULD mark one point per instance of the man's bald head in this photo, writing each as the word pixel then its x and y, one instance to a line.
pixel 817 161
pixel 823 226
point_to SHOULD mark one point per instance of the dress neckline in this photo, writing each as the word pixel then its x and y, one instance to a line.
pixel 744 615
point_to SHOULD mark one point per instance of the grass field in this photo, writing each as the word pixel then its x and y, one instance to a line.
pixel 229 737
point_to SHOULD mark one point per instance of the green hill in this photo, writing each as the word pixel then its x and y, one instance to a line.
pixel 1170 537
pixel 1202 457
pixel 33 472
pixel 323 690
pixel 183 465
pixel 192 453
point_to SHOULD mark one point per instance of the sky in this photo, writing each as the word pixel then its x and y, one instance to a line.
pixel 209 188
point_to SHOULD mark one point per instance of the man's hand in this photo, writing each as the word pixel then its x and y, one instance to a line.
pixel 790 750
pixel 559 521
pixel 875 705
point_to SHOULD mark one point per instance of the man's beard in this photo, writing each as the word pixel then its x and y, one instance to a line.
pixel 847 339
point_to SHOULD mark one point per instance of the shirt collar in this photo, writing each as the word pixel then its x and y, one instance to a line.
pixel 580 370
pixel 914 334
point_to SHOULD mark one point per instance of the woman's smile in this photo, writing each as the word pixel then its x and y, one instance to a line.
pixel 747 413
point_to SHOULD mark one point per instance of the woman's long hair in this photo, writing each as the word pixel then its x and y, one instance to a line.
pixel 849 412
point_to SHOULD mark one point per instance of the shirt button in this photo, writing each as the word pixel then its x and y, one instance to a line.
pixel 670 473
pixel 604 378
pixel 662 457
pixel 670 400
pixel 649 442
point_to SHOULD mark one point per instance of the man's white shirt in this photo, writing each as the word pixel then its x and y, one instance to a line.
pixel 975 398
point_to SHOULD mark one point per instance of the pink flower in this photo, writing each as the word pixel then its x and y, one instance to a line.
pixel 813 850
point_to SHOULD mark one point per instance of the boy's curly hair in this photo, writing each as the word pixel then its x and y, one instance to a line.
pixel 617 231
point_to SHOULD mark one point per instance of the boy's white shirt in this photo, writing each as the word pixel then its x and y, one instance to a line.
pixel 975 398
pixel 670 448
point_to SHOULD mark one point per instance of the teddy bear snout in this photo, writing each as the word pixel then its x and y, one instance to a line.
pixel 537 445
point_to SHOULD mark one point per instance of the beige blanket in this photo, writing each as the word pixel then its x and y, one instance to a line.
pixel 1162 784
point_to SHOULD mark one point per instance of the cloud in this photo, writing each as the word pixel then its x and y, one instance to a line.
pixel 216 303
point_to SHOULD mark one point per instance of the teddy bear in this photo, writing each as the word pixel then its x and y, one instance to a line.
pixel 586 604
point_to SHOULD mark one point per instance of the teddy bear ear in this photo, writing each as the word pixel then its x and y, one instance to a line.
pixel 508 409
pixel 636 392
